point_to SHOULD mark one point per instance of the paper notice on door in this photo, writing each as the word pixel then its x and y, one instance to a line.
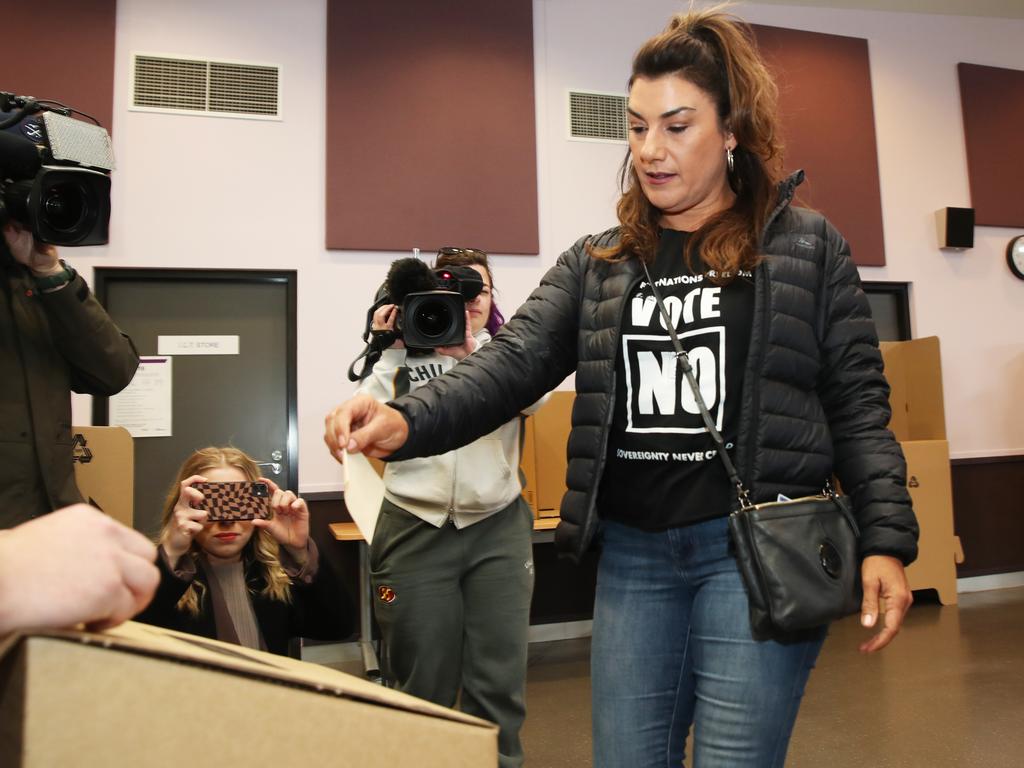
pixel 364 492
pixel 144 406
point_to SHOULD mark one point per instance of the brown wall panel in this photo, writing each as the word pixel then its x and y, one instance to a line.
pixel 988 514
pixel 829 130
pixel 431 134
pixel 992 100
pixel 61 50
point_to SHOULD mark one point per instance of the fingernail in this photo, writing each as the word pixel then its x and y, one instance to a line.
pixel 867 620
pixel 352 446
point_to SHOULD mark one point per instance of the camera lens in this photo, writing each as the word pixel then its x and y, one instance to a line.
pixel 433 318
pixel 64 206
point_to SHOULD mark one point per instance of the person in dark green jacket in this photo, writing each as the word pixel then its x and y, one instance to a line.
pixel 55 339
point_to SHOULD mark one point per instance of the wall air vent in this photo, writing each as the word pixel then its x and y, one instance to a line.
pixel 597 116
pixel 201 87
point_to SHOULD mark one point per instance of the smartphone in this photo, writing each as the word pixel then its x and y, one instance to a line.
pixel 242 500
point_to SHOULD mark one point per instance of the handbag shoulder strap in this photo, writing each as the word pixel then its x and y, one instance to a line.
pixel 683 363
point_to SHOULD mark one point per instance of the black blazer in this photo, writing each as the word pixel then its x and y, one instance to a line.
pixel 321 609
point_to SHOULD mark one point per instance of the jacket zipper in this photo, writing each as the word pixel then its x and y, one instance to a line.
pixel 764 293
pixel 455 485
pixel 767 504
pixel 606 428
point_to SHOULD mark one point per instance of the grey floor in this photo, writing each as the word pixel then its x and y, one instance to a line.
pixel 948 692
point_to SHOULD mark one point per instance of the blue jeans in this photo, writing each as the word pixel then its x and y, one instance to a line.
pixel 672 647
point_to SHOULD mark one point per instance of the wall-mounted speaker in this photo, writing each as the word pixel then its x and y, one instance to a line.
pixel 955 227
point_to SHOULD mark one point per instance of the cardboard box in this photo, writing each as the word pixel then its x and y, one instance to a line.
pixel 104 459
pixel 914 371
pixel 528 464
pixel 551 427
pixel 930 486
pixel 138 695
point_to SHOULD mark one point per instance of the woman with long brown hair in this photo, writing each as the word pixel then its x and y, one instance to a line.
pixel 767 302
pixel 250 582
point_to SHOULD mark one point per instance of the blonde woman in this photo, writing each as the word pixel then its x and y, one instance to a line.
pixel 250 582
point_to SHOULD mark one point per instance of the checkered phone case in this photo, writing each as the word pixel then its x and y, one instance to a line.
pixel 242 500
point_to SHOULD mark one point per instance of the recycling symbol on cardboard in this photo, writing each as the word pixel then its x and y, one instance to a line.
pixel 80 451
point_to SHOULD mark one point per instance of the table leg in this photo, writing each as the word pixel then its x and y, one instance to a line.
pixel 371 665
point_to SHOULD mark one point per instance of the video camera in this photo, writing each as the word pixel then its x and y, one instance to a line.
pixel 54 172
pixel 431 309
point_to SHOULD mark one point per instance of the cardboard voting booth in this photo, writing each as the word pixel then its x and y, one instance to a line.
pixel 138 695
pixel 543 460
pixel 914 372
pixel 104 460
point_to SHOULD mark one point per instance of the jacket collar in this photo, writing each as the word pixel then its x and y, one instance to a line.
pixel 787 189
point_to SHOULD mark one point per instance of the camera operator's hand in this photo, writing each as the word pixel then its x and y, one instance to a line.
pixel 364 425
pixel 384 320
pixel 290 523
pixel 468 346
pixel 41 258
pixel 187 521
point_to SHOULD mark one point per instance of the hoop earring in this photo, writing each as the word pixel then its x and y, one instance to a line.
pixel 729 160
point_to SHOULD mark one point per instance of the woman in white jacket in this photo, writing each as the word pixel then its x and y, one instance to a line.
pixel 451 560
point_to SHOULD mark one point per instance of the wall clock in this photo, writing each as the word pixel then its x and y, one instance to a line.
pixel 1015 256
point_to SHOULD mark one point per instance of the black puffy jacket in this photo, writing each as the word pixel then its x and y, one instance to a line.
pixel 814 399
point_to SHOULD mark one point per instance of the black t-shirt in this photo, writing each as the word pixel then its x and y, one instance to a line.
pixel 662 468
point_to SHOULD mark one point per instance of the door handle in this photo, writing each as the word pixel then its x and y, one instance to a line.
pixel 275 467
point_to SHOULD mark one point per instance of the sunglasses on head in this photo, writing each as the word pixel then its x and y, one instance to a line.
pixel 447 250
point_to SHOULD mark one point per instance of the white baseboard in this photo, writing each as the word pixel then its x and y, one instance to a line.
pixel 331 653
pixel 994 581
pixel 566 630
pixel 340 653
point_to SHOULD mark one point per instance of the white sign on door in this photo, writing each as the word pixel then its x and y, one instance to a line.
pixel 197 345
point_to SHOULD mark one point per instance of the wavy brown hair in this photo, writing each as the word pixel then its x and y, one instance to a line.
pixel 716 52
pixel 261 549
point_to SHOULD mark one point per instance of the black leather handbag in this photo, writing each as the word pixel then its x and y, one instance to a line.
pixel 798 560
pixel 798 557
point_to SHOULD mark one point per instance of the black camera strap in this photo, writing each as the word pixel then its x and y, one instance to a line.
pixel 375 346
pixel 367 365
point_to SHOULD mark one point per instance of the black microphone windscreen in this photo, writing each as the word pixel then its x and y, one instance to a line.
pixel 407 276
pixel 19 158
